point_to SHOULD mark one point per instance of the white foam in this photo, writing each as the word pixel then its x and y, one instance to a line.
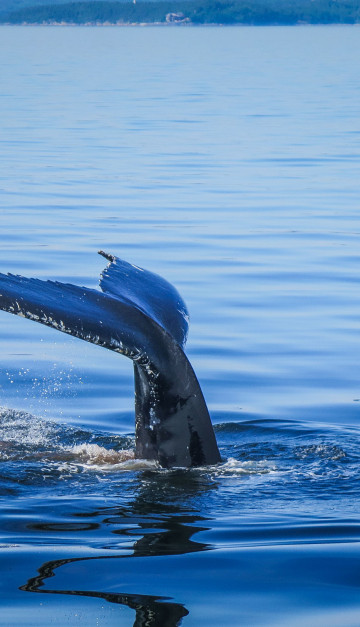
pixel 93 456
pixel 235 468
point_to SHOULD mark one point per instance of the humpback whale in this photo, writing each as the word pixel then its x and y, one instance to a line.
pixel 140 315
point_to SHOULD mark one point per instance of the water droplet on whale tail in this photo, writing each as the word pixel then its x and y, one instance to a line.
pixel 140 315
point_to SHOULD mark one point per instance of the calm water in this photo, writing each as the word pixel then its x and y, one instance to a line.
pixel 226 160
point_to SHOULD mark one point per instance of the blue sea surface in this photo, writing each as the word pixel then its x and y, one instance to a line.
pixel 226 160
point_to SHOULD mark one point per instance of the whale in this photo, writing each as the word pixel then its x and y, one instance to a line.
pixel 142 316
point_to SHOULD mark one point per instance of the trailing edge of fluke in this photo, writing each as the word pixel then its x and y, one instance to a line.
pixel 143 317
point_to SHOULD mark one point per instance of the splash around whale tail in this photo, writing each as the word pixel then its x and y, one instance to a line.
pixel 140 315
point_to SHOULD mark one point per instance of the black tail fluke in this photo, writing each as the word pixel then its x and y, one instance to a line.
pixel 143 317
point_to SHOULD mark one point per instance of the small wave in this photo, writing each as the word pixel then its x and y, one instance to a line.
pixel 56 448
pixel 22 428
pixel 323 451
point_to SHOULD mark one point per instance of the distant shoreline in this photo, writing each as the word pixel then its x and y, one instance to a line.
pixel 107 13
pixel 166 25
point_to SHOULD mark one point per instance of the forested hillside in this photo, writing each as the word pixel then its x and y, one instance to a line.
pixel 195 11
pixel 7 6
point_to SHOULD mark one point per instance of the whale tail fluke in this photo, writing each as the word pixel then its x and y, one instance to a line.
pixel 143 317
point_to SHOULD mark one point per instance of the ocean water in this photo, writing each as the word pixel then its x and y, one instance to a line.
pixel 226 160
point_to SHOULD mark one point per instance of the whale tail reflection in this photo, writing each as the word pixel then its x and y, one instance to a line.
pixel 140 315
pixel 151 611
pixel 163 536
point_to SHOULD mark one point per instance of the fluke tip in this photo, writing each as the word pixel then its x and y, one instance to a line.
pixel 107 255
